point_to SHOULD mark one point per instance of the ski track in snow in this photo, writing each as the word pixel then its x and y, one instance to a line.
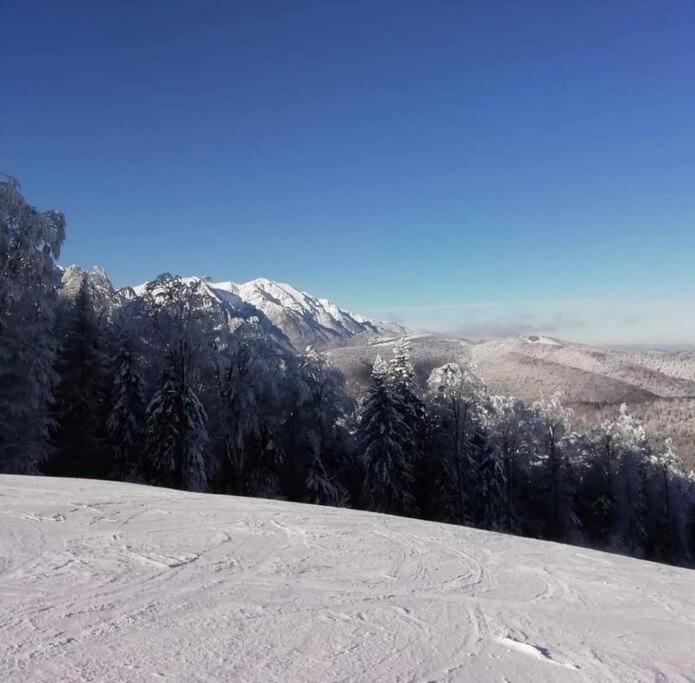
pixel 111 582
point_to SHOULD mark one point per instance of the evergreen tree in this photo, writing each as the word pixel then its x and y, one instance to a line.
pixel 382 438
pixel 316 436
pixel 491 495
pixel 177 434
pixel 597 501
pixel 631 451
pixel 512 426
pixel 250 378
pixel 555 480
pixel 30 242
pixel 429 476
pixel 401 376
pixel 79 410
pixel 321 489
pixel 667 498
pixel 126 417
pixel 183 326
pixel 457 396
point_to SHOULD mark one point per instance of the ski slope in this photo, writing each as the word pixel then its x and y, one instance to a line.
pixel 103 581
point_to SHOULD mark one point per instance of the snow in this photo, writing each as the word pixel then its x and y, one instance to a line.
pixel 304 318
pixel 549 341
pixel 110 581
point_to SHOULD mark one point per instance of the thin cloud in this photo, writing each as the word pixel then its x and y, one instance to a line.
pixel 518 327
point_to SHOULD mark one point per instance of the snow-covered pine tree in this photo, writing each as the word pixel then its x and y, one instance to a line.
pixel 250 375
pixel 631 451
pixel 689 515
pixel 176 435
pixel 315 428
pixel 401 371
pixel 125 421
pixel 667 505
pixel 382 437
pixel 430 470
pixel 321 490
pixel 182 328
pixel 80 405
pixel 597 504
pixel 457 395
pixel 556 480
pixel 401 374
pixel 511 425
pixel 30 241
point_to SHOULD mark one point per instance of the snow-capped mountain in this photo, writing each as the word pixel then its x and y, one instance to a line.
pixel 96 279
pixel 283 310
pixel 304 318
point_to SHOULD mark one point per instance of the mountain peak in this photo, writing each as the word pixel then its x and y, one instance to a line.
pixel 305 319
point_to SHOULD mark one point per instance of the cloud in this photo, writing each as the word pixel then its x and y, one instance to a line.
pixel 514 327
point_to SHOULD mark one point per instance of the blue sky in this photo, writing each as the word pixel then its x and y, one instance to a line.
pixel 483 167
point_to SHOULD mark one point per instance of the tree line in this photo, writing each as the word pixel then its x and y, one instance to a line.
pixel 166 387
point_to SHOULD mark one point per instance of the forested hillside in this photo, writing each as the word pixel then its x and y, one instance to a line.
pixel 176 386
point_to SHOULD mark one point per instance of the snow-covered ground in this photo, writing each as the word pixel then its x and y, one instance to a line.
pixel 116 582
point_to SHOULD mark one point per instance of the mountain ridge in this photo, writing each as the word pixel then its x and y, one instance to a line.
pixel 303 319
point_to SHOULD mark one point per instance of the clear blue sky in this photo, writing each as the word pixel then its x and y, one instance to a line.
pixel 518 166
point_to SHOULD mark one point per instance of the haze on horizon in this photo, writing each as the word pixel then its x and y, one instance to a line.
pixel 482 168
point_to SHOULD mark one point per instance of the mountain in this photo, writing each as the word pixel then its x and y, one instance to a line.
pixel 305 319
pixel 657 386
pixel 110 581
pixel 282 309
pixel 102 291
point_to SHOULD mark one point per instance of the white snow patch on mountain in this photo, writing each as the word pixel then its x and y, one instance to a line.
pixel 303 318
pixel 109 581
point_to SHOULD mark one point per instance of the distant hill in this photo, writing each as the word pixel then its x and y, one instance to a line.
pixel 658 386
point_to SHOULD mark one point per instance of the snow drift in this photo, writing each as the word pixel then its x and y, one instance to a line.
pixel 110 581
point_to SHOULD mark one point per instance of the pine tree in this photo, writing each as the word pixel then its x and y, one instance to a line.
pixel 176 435
pixel 401 376
pixel 126 417
pixel 382 437
pixel 79 410
pixel 321 489
pixel 314 426
pixel 631 449
pixel 511 428
pixel 250 376
pixel 457 395
pixel 429 476
pixel 667 505
pixel 492 510
pixel 30 242
pixel 598 495
pixel 182 329
pixel 557 480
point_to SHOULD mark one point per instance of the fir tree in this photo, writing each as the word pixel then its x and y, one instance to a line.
pixel 382 437
pixel 666 495
pixel 249 375
pixel 321 489
pixel 183 326
pixel 126 417
pixel 401 376
pixel 511 427
pixel 315 431
pixel 457 394
pixel 176 435
pixel 79 410
pixel 631 452
pixel 556 479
